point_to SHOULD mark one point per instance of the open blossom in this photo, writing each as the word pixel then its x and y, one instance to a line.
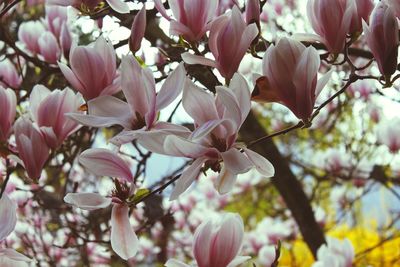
pixel 124 241
pixel 117 5
pixel 335 253
pixel 388 134
pixel 9 77
pixel 225 31
pixel 383 38
pixel 93 69
pixel 331 29
pixel 191 17
pixel 8 104
pixel 213 142
pixel 48 109
pixel 29 33
pixel 139 113
pixel 217 243
pixel 8 220
pixel 32 148
pixel 290 77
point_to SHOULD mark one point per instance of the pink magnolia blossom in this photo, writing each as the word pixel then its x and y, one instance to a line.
pixel 217 243
pixel 9 77
pixel 388 134
pixel 291 72
pixel 8 104
pixel 8 216
pixel 117 5
pixel 93 69
pixel 383 38
pixel 335 253
pixel 29 34
pixel 192 17
pixel 217 121
pixel 124 241
pixel 137 30
pixel 332 26
pixel 362 10
pixel 48 109
pixel 226 30
pixel 49 48
pixel 139 113
pixel 32 148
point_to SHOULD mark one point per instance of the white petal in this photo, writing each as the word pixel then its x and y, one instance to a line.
pixel 87 201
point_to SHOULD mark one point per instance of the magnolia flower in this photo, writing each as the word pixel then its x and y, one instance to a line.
pixel 57 23
pixel 117 5
pixel 362 10
pixel 48 109
pixel 213 142
pixel 290 77
pixel 388 134
pixel 192 17
pixel 124 241
pixel 217 243
pixel 225 31
pixel 335 253
pixel 29 34
pixel 383 38
pixel 32 148
pixel 8 103
pixel 8 216
pixel 139 113
pixel 8 220
pixel 93 69
pixel 9 76
pixel 137 30
pixel 331 29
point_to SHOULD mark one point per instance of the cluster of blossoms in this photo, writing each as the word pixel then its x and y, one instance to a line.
pixel 126 99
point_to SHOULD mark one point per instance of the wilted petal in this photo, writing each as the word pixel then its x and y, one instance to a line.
pixel 87 201
pixel 124 241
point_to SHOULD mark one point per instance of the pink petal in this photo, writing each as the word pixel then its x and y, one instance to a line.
pixel 175 263
pixel 71 78
pixel 103 162
pixel 119 5
pixel 160 7
pixel 87 201
pixel 195 59
pixel 235 161
pixel 188 176
pixel 171 88
pixel 8 216
pixel 124 241
pixel 180 147
pixel 262 165
pixel 240 88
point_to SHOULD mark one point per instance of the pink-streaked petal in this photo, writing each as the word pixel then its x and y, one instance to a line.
pixel 240 88
pixel 124 241
pixel 202 240
pixel 323 81
pixel 225 181
pixel 232 110
pixel 38 94
pixel 180 147
pixel 71 78
pixel 103 162
pixel 171 88
pixel 87 201
pixel 179 29
pixel 119 5
pixel 160 7
pixel 235 161
pixel 199 104
pixel 195 59
pixel 261 164
pixel 8 216
pixel 205 129
pixel 188 176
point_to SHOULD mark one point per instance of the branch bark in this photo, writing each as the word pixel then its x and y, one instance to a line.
pixel 286 183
